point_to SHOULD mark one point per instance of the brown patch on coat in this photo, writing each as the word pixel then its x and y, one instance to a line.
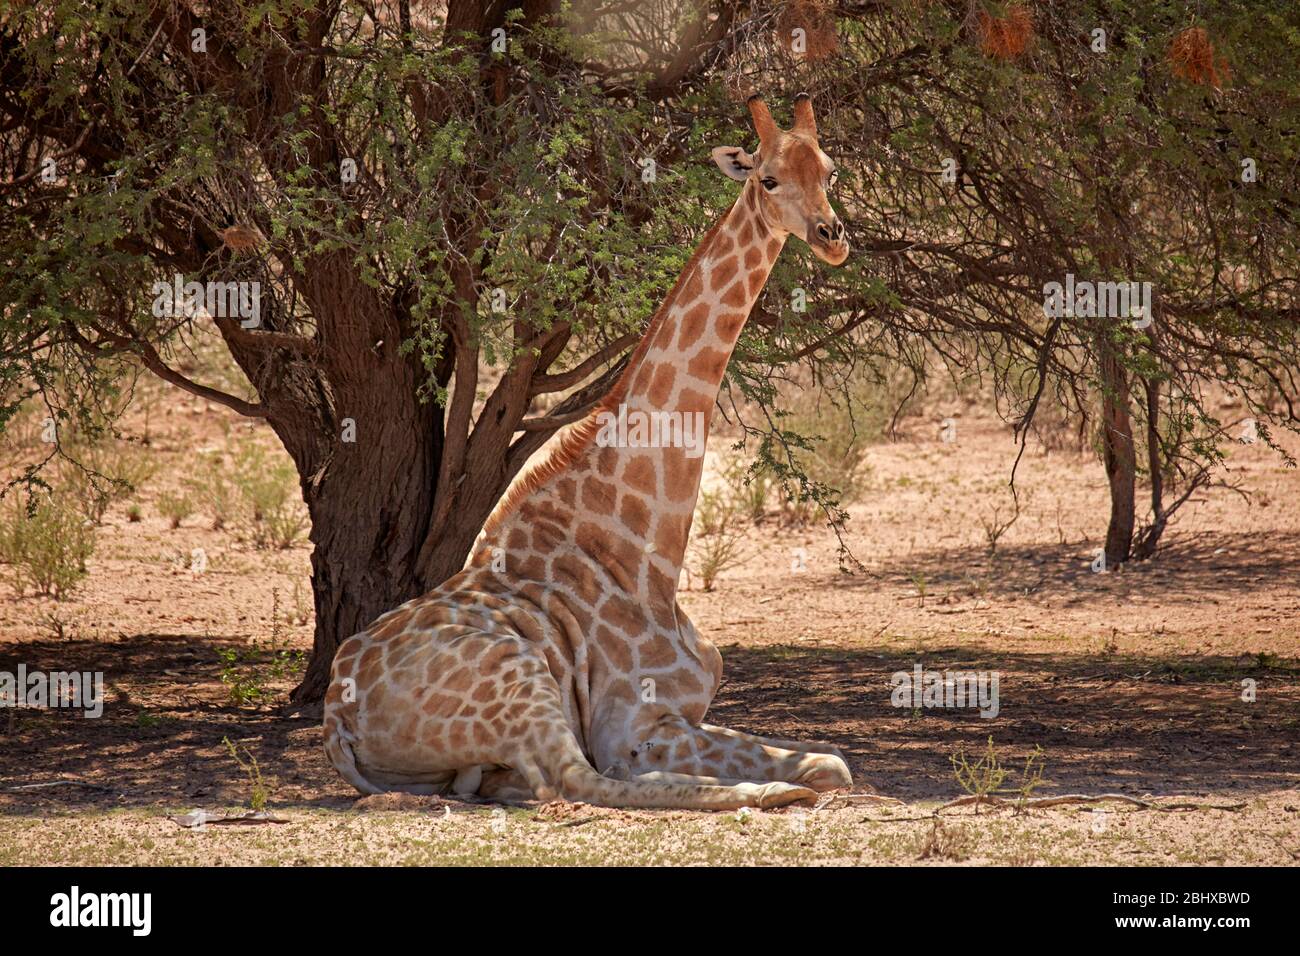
pixel 709 364
pixel 692 325
pixel 737 296
pixel 615 648
pixel 723 272
pixel 662 387
pixel 639 475
pixel 635 514
pixel 599 496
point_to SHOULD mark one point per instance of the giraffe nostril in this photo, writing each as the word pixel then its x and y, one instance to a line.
pixel 823 232
pixel 837 231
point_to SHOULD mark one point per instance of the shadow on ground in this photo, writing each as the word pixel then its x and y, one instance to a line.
pixel 1206 568
pixel 1126 724
pixel 1129 724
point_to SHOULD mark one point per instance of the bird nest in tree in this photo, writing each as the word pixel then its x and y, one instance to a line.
pixel 239 238
pixel 1008 36
pixel 807 28
pixel 1192 56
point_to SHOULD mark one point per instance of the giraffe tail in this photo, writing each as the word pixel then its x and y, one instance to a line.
pixel 338 747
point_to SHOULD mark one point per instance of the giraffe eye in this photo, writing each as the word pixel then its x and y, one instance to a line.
pixel 769 183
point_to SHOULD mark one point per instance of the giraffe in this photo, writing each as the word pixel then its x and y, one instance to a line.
pixel 558 663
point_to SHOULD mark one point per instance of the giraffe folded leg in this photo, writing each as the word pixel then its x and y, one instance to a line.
pixel 467 781
pixel 677 747
pixel 582 784
pixel 802 746
pixel 667 776
pixel 557 767
pixel 510 786
pixel 505 785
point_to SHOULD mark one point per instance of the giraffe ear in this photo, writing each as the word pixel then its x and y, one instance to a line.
pixel 734 161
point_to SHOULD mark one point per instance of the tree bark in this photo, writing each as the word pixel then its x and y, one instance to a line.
pixel 1149 538
pixel 369 507
pixel 373 506
pixel 1120 456
pixel 395 513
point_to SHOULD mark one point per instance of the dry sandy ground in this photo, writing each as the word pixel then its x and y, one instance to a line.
pixel 1129 682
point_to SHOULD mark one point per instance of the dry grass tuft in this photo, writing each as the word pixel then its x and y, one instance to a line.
pixel 381 802
pixel 944 843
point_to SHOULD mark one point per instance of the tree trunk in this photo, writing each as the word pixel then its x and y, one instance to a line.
pixel 395 512
pixel 369 512
pixel 372 507
pixel 1149 539
pixel 389 521
pixel 1120 456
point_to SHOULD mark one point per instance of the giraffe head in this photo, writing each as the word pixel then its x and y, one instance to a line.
pixel 791 175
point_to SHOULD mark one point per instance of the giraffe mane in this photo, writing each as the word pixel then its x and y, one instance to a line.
pixel 577 438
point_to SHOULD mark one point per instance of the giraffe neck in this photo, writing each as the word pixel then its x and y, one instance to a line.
pixel 627 478
pixel 653 428
pixel 681 360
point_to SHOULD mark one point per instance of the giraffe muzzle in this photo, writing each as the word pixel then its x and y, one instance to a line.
pixel 829 240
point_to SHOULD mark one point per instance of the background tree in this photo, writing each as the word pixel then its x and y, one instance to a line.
pixel 996 148
pixel 457 241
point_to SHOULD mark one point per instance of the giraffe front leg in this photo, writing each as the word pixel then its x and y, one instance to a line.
pixel 677 747
pixel 803 746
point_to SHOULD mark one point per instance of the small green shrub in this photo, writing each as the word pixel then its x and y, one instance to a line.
pixel 110 471
pixel 919 582
pixel 256 493
pixel 46 547
pixel 246 672
pixel 272 508
pixel 984 778
pixel 833 459
pixel 211 490
pixel 260 793
pixel 750 489
pixel 716 536
pixel 245 684
pixel 175 507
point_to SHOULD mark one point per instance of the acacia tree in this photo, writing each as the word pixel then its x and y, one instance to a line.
pixel 460 215
pixel 412 203
pixel 999 148
pixel 420 193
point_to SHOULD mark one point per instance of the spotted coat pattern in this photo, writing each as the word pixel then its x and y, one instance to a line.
pixel 558 662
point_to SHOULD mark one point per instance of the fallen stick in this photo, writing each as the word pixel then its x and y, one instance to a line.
pixel 1045 801
pixel 1040 802
pixel 198 819
pixel 58 783
pixel 1295 854
pixel 830 801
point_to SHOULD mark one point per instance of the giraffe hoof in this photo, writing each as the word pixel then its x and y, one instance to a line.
pixel 770 795
pixel 825 772
pixel 618 770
